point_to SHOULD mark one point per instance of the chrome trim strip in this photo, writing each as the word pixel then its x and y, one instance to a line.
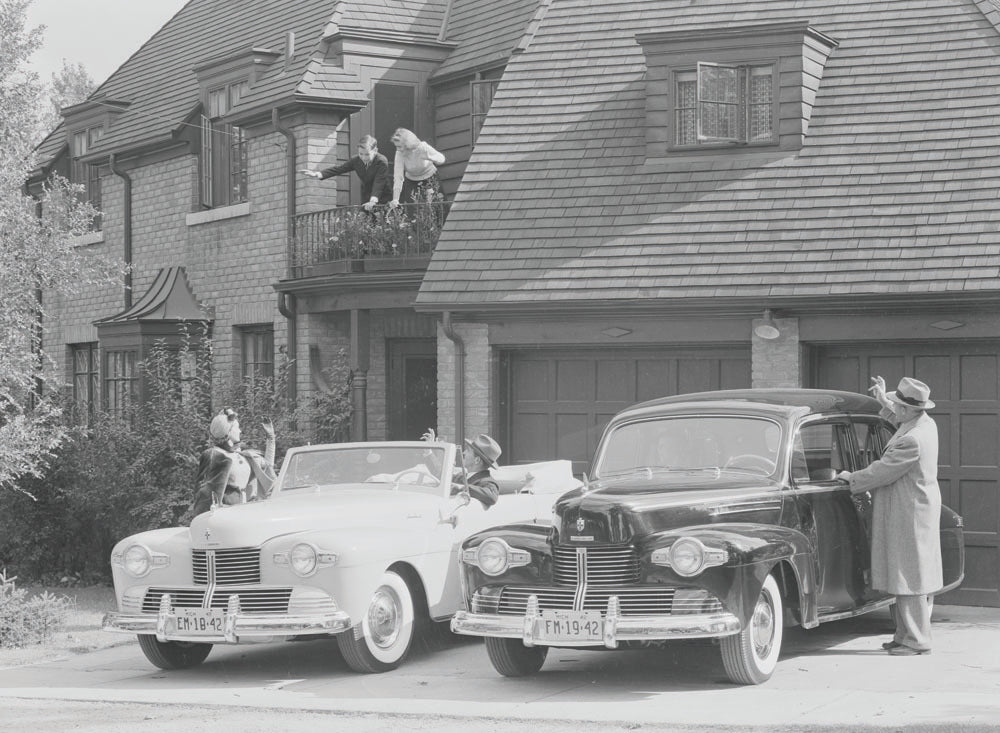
pixel 873 606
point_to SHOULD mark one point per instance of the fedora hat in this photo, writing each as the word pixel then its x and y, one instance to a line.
pixel 486 448
pixel 912 392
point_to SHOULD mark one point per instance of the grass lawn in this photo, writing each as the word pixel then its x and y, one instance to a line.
pixel 82 632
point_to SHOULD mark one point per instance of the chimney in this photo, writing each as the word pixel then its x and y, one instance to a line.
pixel 289 48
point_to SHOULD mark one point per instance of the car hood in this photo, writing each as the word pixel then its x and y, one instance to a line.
pixel 341 507
pixel 628 511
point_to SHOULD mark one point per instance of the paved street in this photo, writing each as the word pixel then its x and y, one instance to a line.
pixel 830 677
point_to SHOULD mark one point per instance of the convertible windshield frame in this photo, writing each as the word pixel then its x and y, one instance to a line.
pixel 761 451
pixel 417 467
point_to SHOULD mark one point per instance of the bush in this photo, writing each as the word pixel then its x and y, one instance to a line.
pixel 121 475
pixel 25 621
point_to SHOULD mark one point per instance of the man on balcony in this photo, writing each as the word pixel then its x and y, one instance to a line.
pixel 372 169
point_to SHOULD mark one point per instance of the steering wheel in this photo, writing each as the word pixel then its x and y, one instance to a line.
pixel 751 460
pixel 420 477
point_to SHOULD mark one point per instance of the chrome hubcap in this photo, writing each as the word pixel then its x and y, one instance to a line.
pixel 384 616
pixel 762 627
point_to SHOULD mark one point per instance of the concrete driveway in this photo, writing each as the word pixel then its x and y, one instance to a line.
pixel 834 676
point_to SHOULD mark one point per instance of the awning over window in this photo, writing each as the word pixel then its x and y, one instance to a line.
pixel 169 298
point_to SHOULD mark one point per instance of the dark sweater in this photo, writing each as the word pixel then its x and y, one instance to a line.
pixel 374 177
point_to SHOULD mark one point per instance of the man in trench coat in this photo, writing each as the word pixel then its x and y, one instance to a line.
pixel 906 513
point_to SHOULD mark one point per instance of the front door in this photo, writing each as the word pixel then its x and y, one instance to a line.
pixel 412 393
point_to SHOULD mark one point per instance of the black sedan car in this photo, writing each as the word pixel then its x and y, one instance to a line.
pixel 715 514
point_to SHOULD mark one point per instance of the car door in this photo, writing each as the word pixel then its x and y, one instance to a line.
pixel 827 512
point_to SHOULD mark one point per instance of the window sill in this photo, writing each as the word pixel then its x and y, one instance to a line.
pixel 87 239
pixel 758 157
pixel 219 214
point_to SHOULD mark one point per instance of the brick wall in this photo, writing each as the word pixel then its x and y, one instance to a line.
pixel 477 388
pixel 777 362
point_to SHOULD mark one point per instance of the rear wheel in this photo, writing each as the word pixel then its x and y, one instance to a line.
pixel 751 655
pixel 173 654
pixel 511 658
pixel 386 630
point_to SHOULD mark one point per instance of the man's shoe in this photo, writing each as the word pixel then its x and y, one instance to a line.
pixel 891 645
pixel 906 651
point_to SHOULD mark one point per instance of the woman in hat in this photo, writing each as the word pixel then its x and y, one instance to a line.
pixel 414 173
pixel 906 513
pixel 227 472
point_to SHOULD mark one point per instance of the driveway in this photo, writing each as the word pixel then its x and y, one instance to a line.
pixel 831 677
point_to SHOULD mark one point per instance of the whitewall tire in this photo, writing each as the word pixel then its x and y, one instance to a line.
pixel 751 655
pixel 386 631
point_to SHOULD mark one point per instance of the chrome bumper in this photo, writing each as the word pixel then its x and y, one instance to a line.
pixel 237 626
pixel 616 627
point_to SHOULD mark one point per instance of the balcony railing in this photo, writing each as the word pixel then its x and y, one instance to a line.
pixel 350 239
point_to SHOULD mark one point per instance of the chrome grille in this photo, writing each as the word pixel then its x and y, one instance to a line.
pixel 234 566
pixel 252 600
pixel 604 565
pixel 634 601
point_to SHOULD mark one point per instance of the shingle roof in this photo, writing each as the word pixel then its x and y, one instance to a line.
pixel 486 31
pixel 421 17
pixel 159 82
pixel 899 173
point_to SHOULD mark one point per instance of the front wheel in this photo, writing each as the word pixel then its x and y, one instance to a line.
pixel 751 655
pixel 511 658
pixel 173 654
pixel 386 631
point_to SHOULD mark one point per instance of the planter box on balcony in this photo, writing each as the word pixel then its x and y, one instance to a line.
pixel 405 262
pixel 334 268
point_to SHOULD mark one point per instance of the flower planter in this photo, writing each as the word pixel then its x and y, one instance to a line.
pixel 405 262
pixel 334 267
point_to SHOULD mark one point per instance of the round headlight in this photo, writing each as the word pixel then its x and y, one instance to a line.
pixel 492 557
pixel 302 558
pixel 687 557
pixel 136 561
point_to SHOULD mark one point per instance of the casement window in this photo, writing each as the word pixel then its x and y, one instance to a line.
pixel 121 381
pixel 223 149
pixel 85 174
pixel 256 353
pixel 86 380
pixel 482 92
pixel 720 103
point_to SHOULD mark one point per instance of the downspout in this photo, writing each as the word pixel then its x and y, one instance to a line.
pixel 286 301
pixel 127 254
pixel 449 331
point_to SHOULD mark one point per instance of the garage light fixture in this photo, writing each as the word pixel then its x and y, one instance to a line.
pixel 767 328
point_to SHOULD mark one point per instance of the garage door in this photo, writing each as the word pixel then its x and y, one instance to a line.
pixel 965 383
pixel 558 402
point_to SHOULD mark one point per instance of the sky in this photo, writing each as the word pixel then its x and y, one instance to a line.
pixel 100 34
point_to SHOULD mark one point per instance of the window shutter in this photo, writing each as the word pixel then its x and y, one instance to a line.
pixel 206 162
pixel 718 103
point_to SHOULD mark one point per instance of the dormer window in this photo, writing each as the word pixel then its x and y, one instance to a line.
pixel 223 149
pixel 716 90
pixel 85 174
pixel 722 103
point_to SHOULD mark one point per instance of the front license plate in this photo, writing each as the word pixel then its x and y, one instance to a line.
pixel 573 626
pixel 199 621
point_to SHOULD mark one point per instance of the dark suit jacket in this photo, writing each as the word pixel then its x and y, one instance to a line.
pixel 484 488
pixel 374 177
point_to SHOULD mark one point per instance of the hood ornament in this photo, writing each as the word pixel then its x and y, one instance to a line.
pixel 208 535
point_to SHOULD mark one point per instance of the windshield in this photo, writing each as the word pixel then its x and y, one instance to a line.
pixel 695 443
pixel 406 467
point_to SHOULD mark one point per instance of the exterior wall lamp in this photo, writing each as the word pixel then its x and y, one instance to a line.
pixel 766 328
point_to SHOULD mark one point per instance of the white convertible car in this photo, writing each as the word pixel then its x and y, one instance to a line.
pixel 358 541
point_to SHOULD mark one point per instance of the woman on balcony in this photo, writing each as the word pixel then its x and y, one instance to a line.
pixel 415 176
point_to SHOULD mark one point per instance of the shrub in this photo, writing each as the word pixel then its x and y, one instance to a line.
pixel 25 621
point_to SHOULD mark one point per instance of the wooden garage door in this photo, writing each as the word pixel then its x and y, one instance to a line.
pixel 965 383
pixel 558 402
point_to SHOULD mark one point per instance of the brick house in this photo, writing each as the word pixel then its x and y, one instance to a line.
pixel 671 196
pixel 665 197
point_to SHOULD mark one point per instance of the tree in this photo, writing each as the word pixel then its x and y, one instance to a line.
pixel 70 85
pixel 37 256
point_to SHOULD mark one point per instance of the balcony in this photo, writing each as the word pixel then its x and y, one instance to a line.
pixel 349 239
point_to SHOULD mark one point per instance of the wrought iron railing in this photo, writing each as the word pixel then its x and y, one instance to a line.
pixel 343 239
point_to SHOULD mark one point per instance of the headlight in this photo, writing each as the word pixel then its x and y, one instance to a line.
pixel 494 556
pixel 304 559
pixel 688 556
pixel 137 560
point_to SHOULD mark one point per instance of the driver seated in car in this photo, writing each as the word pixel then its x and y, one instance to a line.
pixel 478 457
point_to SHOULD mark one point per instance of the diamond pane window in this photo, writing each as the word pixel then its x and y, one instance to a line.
pixel 686 109
pixel 724 104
